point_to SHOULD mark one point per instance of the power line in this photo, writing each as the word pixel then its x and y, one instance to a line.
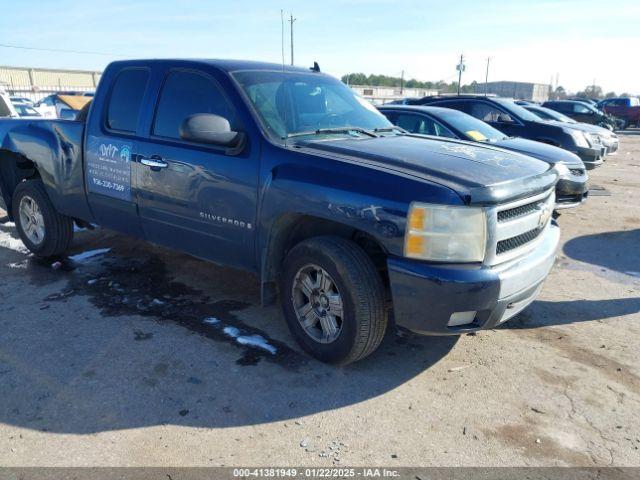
pixel 59 50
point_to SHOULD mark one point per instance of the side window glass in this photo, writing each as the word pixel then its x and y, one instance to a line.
pixel 412 123
pixel 442 131
pixel 126 99
pixel 186 93
pixel 489 113
pixel 578 108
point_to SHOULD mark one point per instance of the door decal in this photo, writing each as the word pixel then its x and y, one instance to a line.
pixel 109 168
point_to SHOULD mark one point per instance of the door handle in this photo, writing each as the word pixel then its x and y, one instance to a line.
pixel 154 162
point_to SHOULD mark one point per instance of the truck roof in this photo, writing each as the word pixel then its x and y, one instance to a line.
pixel 226 65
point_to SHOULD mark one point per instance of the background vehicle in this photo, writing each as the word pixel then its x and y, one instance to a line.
pixel 582 112
pixel 626 109
pixel 22 100
pixel 285 172
pixel 571 189
pixel 515 121
pixel 25 111
pixel 6 107
pixel 605 136
pixel 53 106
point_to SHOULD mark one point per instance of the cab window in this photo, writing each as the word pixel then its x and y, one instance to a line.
pixel 126 99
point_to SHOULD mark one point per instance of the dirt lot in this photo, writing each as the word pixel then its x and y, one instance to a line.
pixel 113 363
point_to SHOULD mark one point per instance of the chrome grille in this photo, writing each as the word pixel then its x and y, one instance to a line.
pixel 514 227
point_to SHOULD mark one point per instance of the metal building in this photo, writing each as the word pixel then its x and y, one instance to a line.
pixel 36 83
pixel 381 95
pixel 537 92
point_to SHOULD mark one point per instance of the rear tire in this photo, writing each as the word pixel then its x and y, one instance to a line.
pixel 353 283
pixel 43 230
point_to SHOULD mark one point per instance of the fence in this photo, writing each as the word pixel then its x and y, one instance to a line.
pixel 37 83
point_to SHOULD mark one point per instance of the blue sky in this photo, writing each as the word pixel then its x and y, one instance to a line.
pixel 580 40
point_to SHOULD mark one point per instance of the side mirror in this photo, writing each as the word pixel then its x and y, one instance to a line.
pixel 210 129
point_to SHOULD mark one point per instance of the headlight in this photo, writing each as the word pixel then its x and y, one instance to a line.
pixel 561 168
pixel 580 138
pixel 444 233
pixel 594 138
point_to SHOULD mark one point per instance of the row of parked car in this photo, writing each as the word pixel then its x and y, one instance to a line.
pixel 65 105
pixel 540 131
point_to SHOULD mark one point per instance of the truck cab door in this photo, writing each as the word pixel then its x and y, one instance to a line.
pixel 110 142
pixel 196 197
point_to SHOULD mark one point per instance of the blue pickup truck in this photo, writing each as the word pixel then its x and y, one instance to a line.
pixel 285 172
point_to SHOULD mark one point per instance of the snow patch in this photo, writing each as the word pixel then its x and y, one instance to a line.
pixel 15 244
pixel 257 341
pixel 232 332
pixel 18 265
pixel 211 321
pixel 81 257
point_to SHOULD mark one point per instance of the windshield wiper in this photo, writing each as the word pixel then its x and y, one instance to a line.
pixel 320 131
pixel 390 129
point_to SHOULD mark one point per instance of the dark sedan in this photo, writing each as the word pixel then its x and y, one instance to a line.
pixel 603 135
pixel 571 189
pixel 514 121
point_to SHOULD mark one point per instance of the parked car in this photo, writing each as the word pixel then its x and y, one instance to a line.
pixel 625 108
pixel 515 121
pixel 286 172
pixel 601 135
pixel 572 188
pixel 582 112
pixel 60 105
pixel 6 106
pixel 26 111
pixel 21 100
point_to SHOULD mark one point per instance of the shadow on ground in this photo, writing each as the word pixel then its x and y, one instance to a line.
pixel 66 368
pixel 546 314
pixel 617 251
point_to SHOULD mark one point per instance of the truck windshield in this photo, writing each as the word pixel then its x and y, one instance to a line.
pixel 298 104
pixel 471 127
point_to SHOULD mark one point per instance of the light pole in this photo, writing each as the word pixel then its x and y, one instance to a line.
pixel 486 78
pixel 460 69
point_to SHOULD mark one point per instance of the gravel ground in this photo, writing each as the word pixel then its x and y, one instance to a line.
pixel 141 356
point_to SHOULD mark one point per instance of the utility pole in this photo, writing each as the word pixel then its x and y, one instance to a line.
pixel 460 69
pixel 291 20
pixel 486 78
pixel 402 82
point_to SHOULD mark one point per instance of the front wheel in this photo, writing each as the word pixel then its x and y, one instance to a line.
pixel 43 230
pixel 333 300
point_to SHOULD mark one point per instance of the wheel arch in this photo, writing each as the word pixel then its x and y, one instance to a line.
pixel 292 228
pixel 14 168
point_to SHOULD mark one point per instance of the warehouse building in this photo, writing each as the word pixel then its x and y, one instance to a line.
pixel 537 92
pixel 36 83
pixel 381 95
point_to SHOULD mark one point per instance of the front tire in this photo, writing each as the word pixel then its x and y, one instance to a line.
pixel 43 230
pixel 333 300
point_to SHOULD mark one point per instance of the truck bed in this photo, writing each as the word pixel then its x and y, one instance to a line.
pixel 55 147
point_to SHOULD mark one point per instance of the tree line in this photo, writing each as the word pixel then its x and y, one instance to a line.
pixel 592 91
pixel 390 81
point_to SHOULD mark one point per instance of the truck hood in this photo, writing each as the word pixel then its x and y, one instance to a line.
pixel 541 151
pixel 480 174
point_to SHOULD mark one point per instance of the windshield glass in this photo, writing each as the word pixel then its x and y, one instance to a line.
pixel 298 103
pixel 517 110
pixel 471 127
pixel 26 111
pixel 555 115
